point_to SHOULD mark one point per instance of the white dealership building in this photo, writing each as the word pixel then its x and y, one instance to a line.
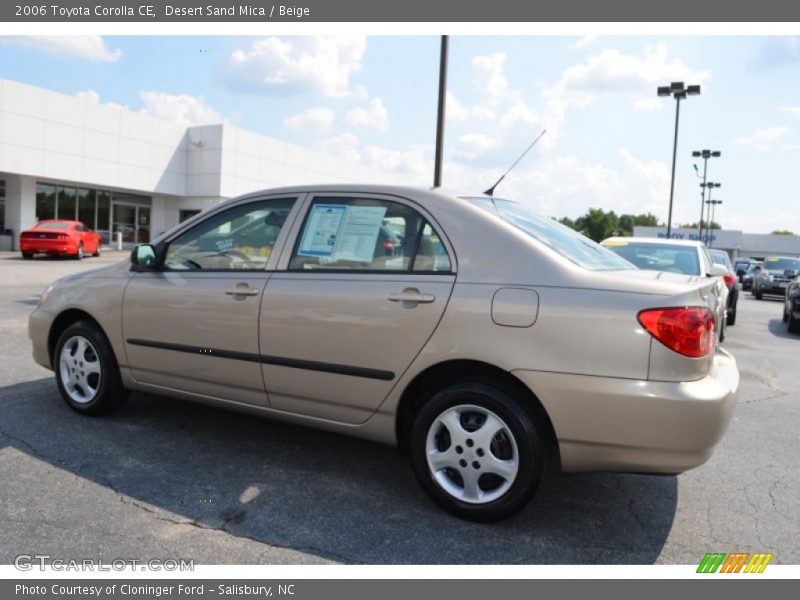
pixel 117 170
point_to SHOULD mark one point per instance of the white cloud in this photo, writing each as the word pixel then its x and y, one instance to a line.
pixel 415 163
pixel 374 116
pixel 583 42
pixel 455 111
pixel 768 138
pixel 342 146
pixel 793 110
pixel 317 64
pixel 489 75
pixel 89 47
pixel 649 104
pixel 615 71
pixel 520 113
pixel 313 120
pixel 473 145
pixel 180 109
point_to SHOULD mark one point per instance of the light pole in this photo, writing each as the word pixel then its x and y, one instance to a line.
pixel 705 154
pixel 712 210
pixel 710 186
pixel 679 92
pixel 437 165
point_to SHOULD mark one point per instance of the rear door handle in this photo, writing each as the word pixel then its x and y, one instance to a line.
pixel 242 291
pixel 412 298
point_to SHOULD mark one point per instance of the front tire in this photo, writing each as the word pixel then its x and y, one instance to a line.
pixel 97 250
pixel 757 294
pixel 87 373
pixel 476 451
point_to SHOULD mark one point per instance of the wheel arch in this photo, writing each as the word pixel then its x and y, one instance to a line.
pixel 64 320
pixel 427 382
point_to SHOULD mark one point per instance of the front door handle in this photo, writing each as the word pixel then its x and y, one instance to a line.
pixel 244 290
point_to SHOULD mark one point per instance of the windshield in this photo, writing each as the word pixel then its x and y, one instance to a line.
pixel 52 225
pixel 567 242
pixel 781 264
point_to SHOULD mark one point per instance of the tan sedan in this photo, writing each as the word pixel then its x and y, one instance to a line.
pixel 471 331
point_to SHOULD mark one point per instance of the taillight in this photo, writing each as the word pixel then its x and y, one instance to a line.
pixel 729 279
pixel 688 330
pixel 63 236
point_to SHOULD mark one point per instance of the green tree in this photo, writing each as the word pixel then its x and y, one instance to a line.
pixel 714 225
pixel 782 232
pixel 598 224
pixel 628 222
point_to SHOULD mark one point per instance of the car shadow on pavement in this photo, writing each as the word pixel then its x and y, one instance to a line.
pixel 336 497
pixel 779 329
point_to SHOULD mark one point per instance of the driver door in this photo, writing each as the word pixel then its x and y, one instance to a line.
pixel 193 325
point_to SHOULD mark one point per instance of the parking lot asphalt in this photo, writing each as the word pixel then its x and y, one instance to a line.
pixel 164 478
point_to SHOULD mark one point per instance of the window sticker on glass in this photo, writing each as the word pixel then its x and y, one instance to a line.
pixel 360 230
pixel 322 230
pixel 341 232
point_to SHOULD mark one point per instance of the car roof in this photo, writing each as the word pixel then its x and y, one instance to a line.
pixel 655 240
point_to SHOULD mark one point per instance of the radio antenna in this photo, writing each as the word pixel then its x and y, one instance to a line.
pixel 490 191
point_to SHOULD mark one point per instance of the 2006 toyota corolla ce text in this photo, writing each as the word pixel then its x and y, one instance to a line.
pixel 479 335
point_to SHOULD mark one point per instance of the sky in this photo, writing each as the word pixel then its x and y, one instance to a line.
pixel 609 138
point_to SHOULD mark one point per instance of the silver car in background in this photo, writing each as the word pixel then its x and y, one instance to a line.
pixel 486 341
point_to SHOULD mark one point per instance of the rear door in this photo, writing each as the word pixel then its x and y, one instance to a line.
pixel 360 292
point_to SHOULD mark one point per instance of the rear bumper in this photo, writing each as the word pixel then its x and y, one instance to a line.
pixel 607 424
pixel 773 289
pixel 42 246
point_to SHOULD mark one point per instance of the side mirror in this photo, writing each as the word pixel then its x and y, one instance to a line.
pixel 717 271
pixel 790 273
pixel 144 258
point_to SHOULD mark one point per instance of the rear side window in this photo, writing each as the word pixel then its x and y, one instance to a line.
pixel 362 234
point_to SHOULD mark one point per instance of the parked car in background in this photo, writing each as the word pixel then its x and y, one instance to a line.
pixel 490 342
pixel 721 257
pixel 673 256
pixel 753 270
pixel 791 304
pixel 774 276
pixel 741 265
pixel 57 237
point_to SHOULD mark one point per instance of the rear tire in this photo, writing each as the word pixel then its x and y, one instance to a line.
pixel 27 255
pixel 758 294
pixel 97 250
pixel 794 324
pixel 87 373
pixel 79 252
pixel 476 451
pixel 785 313
pixel 731 320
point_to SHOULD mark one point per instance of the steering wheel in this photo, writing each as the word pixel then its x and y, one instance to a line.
pixel 239 255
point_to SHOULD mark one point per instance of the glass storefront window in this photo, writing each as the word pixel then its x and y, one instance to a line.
pixel 2 205
pixel 104 215
pixel 86 208
pixel 65 209
pixel 45 201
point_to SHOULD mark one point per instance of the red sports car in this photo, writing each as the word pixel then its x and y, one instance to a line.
pixel 57 237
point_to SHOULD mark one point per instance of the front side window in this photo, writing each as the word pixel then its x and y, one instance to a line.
pixel 360 234
pixel 241 238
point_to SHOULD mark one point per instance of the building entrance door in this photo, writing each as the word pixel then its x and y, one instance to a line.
pixel 133 222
